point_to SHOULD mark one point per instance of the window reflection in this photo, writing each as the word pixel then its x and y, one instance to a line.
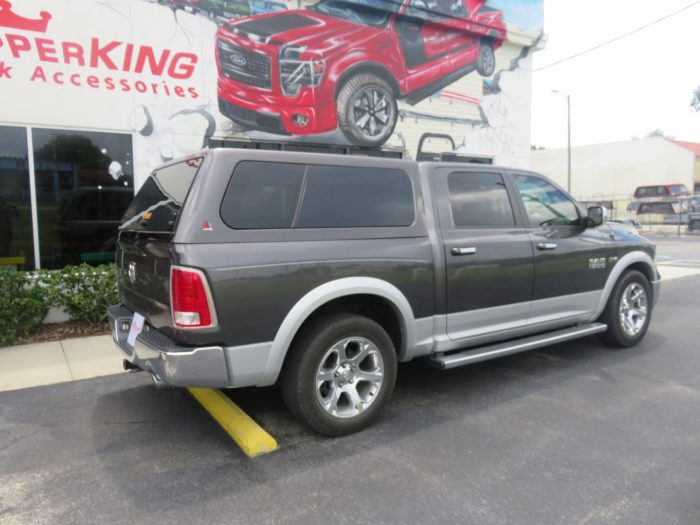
pixel 16 243
pixel 84 184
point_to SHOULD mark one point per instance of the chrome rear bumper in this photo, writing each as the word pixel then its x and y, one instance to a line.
pixel 168 362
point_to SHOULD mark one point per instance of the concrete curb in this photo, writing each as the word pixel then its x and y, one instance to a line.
pixel 39 364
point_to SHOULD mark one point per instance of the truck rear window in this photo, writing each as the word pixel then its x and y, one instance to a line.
pixel 157 204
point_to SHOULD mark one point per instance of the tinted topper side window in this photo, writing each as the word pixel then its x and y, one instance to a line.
pixel 262 195
pixel 346 197
pixel 268 195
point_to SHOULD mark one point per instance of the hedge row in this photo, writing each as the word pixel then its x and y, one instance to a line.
pixel 84 292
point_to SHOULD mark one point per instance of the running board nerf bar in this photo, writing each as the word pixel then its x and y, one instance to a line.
pixel 475 355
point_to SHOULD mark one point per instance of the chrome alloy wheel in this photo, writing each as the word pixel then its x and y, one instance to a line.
pixel 633 309
pixel 349 378
pixel 372 112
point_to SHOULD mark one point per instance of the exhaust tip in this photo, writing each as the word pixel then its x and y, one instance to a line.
pixel 159 383
pixel 131 367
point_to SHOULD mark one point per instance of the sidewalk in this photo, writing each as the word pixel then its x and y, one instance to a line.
pixel 58 361
pixel 40 364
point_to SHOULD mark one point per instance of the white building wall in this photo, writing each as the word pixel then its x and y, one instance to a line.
pixel 617 168
pixel 170 104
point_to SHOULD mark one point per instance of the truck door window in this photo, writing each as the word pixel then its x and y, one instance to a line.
pixel 545 204
pixel 479 200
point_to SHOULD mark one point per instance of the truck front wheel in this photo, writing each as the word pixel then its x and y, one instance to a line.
pixel 628 311
pixel 367 110
pixel 339 374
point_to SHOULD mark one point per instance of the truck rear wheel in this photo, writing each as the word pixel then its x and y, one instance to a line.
pixel 628 311
pixel 339 374
pixel 367 110
pixel 486 61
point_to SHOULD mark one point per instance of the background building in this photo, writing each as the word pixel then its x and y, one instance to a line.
pixel 618 168
pixel 97 94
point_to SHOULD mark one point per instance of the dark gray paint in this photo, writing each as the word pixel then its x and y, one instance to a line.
pixel 257 276
pixel 500 272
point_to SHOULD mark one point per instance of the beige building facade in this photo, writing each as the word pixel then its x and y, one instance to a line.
pixel 614 170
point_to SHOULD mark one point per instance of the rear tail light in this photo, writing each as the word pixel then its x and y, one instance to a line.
pixel 190 299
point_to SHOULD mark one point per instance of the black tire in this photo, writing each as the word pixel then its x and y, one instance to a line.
pixel 359 88
pixel 616 334
pixel 306 360
pixel 486 61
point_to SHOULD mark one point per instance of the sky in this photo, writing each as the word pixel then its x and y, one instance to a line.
pixel 626 89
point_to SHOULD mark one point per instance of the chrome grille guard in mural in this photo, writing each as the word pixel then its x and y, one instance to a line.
pixel 295 73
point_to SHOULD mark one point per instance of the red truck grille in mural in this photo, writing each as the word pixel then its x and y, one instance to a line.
pixel 245 66
pixel 345 64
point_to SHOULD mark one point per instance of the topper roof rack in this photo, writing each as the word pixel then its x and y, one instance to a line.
pixel 338 149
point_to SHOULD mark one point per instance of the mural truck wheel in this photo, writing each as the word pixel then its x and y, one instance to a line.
pixel 486 62
pixel 367 110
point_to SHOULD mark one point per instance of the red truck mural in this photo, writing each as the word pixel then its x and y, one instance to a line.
pixel 344 64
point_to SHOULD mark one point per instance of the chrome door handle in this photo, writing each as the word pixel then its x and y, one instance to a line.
pixel 463 251
pixel 547 246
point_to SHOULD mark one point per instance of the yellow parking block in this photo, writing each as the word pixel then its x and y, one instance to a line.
pixel 250 436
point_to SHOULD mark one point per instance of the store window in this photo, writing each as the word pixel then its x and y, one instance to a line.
pixel 16 243
pixel 84 183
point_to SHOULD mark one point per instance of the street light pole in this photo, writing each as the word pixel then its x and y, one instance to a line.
pixel 568 133
pixel 568 149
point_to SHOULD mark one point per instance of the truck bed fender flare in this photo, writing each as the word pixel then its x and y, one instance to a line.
pixel 325 293
pixel 622 265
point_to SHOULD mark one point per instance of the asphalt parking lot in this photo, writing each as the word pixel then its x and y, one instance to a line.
pixel 577 433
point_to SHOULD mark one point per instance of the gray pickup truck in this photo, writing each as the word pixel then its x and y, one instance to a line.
pixel 241 268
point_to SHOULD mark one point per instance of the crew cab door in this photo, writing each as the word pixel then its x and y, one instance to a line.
pixel 571 261
pixel 488 258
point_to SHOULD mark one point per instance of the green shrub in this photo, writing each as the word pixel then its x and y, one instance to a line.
pixel 23 305
pixel 85 292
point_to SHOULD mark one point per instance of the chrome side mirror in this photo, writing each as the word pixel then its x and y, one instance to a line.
pixel 597 215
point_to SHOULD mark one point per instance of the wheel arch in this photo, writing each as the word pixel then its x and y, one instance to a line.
pixel 636 260
pixel 368 67
pixel 334 296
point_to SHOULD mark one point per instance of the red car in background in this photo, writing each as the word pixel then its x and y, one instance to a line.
pixel 345 63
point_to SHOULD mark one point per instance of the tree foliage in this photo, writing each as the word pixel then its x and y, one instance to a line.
pixel 695 102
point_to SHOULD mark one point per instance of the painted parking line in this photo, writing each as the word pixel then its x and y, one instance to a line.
pixel 250 436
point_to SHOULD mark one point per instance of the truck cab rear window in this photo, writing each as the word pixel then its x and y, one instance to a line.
pixel 266 195
pixel 157 205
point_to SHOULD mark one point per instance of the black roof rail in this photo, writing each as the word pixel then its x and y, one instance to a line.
pixel 450 156
pixel 307 147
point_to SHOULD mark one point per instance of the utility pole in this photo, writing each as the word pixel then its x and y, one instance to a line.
pixel 568 133
pixel 568 150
